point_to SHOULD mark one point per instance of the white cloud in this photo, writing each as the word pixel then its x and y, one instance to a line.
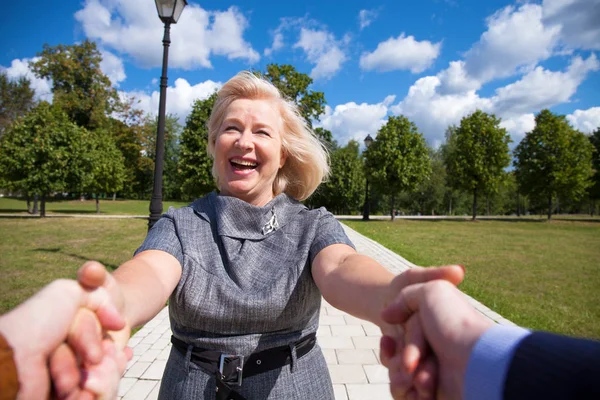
pixel 578 20
pixel 322 49
pixel 515 39
pixel 355 121
pixel 277 44
pixel 542 88
pixel 133 27
pixel 401 53
pixel 366 18
pixel 20 68
pixel 112 67
pixel 179 97
pixel 518 126
pixel 586 121
pixel 455 79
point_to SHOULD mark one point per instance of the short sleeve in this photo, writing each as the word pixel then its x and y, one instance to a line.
pixel 329 231
pixel 163 236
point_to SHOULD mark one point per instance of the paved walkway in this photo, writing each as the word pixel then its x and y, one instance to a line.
pixel 350 345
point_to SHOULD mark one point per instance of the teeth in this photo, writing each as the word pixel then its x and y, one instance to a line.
pixel 244 163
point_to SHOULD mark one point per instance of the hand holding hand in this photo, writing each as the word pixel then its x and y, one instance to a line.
pixel 441 318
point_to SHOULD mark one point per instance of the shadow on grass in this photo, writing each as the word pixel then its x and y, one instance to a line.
pixel 75 211
pixel 109 266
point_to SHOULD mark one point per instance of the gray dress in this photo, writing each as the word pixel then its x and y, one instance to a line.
pixel 246 286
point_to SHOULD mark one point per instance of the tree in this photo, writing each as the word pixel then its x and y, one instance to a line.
pixel 16 99
pixel 594 190
pixel 294 85
pixel 41 153
pixel 78 84
pixel 398 158
pixel 195 165
pixel 103 166
pixel 430 193
pixel 553 160
pixel 477 154
pixel 326 138
pixel 343 192
pixel 171 178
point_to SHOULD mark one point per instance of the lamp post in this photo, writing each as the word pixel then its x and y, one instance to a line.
pixel 168 12
pixel 368 141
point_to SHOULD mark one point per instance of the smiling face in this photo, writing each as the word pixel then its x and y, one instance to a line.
pixel 248 152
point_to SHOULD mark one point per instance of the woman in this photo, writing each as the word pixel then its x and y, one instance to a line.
pixel 244 270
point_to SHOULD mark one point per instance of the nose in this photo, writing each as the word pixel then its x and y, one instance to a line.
pixel 245 140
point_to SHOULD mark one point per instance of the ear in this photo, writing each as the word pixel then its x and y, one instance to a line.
pixel 283 158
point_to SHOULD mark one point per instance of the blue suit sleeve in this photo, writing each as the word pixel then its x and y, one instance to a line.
pixel 489 362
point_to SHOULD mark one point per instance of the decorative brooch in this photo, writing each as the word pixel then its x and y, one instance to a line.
pixel 272 225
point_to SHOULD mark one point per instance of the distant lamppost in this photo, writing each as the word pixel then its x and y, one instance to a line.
pixel 168 12
pixel 368 141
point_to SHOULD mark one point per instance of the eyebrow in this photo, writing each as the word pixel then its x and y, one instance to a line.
pixel 236 120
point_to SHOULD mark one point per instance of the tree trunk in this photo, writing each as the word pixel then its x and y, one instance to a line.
pixel 114 196
pixel 549 207
pixel 487 208
pixel 557 205
pixel 450 206
pixel 392 213
pixel 518 205
pixel 474 204
pixel 43 207
pixel 593 208
pixel 35 204
pixel 28 204
pixel 97 204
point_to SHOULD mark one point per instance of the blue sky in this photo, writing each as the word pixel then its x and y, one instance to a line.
pixel 434 61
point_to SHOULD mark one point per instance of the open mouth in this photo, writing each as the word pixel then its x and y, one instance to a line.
pixel 243 165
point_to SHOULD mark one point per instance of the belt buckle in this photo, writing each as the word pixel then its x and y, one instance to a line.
pixel 234 366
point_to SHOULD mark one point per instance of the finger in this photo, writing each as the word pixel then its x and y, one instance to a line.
pixel 405 305
pixel 92 274
pixel 85 337
pixel 400 380
pixel 425 379
pixel 451 273
pixel 65 373
pixel 103 379
pixel 416 345
pixel 387 349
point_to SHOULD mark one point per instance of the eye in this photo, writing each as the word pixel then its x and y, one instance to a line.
pixel 263 133
pixel 232 128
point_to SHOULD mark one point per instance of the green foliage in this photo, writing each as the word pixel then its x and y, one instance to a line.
pixel 195 165
pixel 171 178
pixel 428 197
pixel 42 153
pixel 326 138
pixel 476 155
pixel 343 192
pixel 294 85
pixel 594 190
pixel 16 98
pixel 553 160
pixel 79 86
pixel 397 160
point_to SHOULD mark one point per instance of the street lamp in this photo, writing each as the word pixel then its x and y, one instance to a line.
pixel 168 12
pixel 368 141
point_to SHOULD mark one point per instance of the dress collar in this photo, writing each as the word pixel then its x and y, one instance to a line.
pixel 239 219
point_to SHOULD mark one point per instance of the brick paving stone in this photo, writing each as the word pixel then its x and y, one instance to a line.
pixel 154 393
pixel 332 320
pixel 330 356
pixel 140 390
pixel 164 354
pixel 356 356
pixel 379 391
pixel 137 370
pixel 149 355
pixel 155 370
pixel 339 391
pixel 125 384
pixel 347 330
pixel 366 342
pixel 377 373
pixel 335 342
pixel 347 374
pixel 324 330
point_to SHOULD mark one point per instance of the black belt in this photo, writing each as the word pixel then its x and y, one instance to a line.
pixel 231 369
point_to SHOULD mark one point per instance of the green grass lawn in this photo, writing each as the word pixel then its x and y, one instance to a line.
pixel 33 252
pixel 537 274
pixel 131 207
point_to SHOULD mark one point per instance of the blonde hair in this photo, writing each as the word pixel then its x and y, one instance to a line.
pixel 307 162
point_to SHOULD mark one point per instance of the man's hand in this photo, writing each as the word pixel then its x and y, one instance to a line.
pixel 438 315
